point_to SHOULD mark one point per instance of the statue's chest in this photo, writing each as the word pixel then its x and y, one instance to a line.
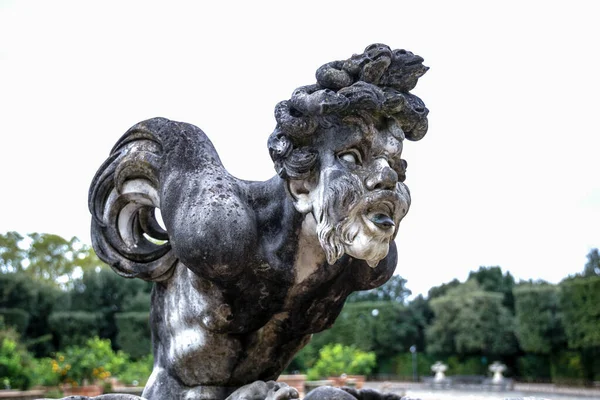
pixel 236 307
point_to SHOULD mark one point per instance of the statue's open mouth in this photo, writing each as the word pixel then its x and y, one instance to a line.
pixel 382 221
pixel 382 215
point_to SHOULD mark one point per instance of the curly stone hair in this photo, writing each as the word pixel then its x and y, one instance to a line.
pixel 376 82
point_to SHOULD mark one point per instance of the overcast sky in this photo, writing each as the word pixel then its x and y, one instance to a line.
pixel 508 174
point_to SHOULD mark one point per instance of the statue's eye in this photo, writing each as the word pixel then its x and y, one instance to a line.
pixel 350 157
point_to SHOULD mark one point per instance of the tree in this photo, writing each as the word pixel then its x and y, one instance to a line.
pixel 471 321
pixel 580 303
pixel 134 336
pixel 539 327
pixel 393 290
pixel 421 315
pixel 491 279
pixel 46 257
pixel 102 291
pixel 383 327
pixel 592 267
pixel 45 275
pixel 11 254
pixel 439 291
pixel 74 328
pixel 36 298
pixel 55 259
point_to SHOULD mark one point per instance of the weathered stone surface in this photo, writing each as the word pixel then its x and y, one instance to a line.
pixel 247 271
pixel 348 393
pixel 105 397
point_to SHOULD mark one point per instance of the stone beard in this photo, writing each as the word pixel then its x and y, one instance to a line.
pixel 365 234
pixel 246 271
pixel 353 219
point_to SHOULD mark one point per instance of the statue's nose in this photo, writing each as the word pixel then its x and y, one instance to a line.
pixel 384 177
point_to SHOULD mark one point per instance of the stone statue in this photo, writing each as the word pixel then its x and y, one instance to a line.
pixel 246 271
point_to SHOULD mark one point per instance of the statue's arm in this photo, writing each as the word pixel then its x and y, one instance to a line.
pixel 172 167
pixel 211 229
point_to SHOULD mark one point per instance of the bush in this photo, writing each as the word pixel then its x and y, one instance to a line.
pixel 383 327
pixel 15 362
pixel 337 359
pixel 134 334
pixel 15 317
pixel 579 300
pixel 539 329
pixel 37 299
pixel 567 368
pixel 42 374
pixel 474 365
pixel 74 327
pixel 403 367
pixel 96 361
pixel 136 373
pixel 533 368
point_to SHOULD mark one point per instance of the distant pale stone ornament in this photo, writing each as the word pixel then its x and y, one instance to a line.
pixel 497 368
pixel 439 368
pixel 246 271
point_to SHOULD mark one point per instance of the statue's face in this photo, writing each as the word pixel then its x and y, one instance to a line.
pixel 357 199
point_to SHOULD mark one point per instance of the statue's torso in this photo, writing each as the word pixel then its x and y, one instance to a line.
pixel 219 334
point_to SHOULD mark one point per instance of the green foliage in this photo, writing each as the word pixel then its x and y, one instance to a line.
pixel 304 359
pixel 37 299
pixel 136 373
pixel 538 324
pixel 403 365
pixel 469 321
pixel 50 284
pixel 36 275
pixel 134 334
pixel 139 302
pixel 473 365
pixel 337 359
pixel 96 361
pixel 74 327
pixel 393 290
pixel 46 257
pixel 102 291
pixel 491 279
pixel 15 361
pixel 11 254
pixel 592 267
pixel 384 327
pixel 439 291
pixel 51 256
pixel 532 367
pixel 42 374
pixel 567 368
pixel 421 316
pixel 580 303
pixel 15 317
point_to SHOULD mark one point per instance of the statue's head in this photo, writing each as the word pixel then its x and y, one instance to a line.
pixel 338 145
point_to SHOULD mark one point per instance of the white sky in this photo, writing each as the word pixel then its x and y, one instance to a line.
pixel 507 175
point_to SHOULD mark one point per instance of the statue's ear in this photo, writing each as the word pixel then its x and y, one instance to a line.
pixel 301 191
